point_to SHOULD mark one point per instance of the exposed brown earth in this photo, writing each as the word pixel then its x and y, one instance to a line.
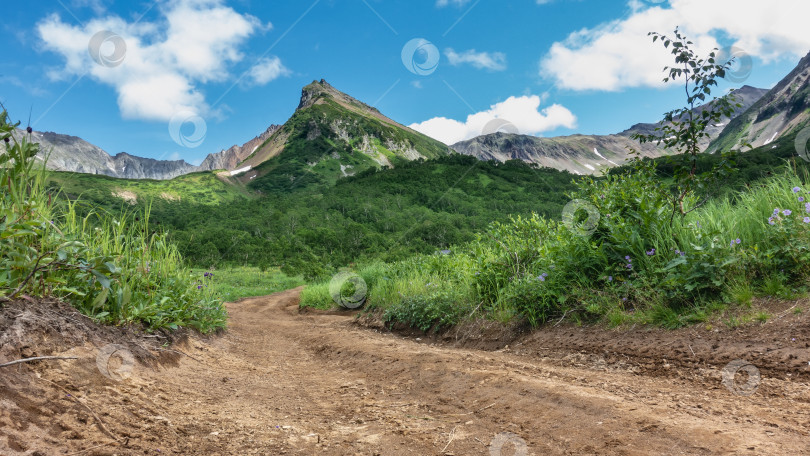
pixel 284 382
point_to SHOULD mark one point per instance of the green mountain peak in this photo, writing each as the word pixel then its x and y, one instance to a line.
pixel 333 135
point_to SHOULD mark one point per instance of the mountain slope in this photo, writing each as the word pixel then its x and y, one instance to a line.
pixel 746 96
pixel 73 154
pixel 201 188
pixel 584 154
pixel 332 135
pixel 231 158
pixel 780 111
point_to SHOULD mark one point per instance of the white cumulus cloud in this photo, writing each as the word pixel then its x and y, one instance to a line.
pixel 523 112
pixel 619 54
pixel 166 61
pixel 266 70
pixel 495 61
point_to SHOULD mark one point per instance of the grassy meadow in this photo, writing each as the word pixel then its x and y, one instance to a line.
pixel 631 266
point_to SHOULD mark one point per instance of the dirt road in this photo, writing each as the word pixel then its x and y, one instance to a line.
pixel 282 382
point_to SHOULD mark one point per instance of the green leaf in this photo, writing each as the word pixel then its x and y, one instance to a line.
pixel 102 279
pixel 101 299
pixel 69 290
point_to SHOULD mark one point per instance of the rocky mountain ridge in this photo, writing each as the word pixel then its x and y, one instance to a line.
pixel 587 154
pixel 74 154
pixel 784 109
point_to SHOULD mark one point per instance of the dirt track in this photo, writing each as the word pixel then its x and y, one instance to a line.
pixel 281 382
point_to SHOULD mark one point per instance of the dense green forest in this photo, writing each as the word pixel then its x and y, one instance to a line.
pixel 388 214
pixel 417 207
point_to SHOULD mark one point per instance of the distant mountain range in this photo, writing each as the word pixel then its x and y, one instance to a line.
pixel 331 135
pixel 329 113
pixel 586 154
pixel 73 154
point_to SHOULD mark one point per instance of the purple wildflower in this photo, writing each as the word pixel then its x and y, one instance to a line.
pixel 737 241
pixel 770 221
pixel 199 287
pixel 651 252
pixel 610 278
pixel 806 220
pixel 542 277
pixel 29 130
pixel 776 211
pixel 801 199
pixel 796 189
pixel 787 212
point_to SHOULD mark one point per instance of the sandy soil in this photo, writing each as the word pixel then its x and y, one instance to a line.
pixel 281 382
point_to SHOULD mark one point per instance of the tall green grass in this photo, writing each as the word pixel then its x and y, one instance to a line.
pixel 638 264
pixel 111 267
pixel 233 283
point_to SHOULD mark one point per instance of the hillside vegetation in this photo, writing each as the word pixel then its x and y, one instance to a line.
pixel 203 188
pixel 633 267
pixel 417 207
pixel 112 267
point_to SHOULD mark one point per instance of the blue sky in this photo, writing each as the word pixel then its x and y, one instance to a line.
pixel 155 70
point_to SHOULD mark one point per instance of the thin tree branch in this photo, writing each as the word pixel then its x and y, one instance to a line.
pixel 27 360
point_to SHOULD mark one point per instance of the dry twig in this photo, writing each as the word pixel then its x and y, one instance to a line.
pixel 38 358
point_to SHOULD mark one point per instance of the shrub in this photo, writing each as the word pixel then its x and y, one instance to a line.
pixel 432 310
pixel 114 269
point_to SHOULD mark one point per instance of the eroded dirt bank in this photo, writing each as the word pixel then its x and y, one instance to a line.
pixel 280 382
